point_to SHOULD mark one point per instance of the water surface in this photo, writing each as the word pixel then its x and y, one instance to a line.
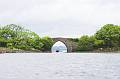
pixel 60 66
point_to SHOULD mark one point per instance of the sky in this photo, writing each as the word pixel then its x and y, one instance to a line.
pixel 60 18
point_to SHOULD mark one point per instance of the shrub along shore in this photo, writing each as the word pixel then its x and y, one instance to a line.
pixel 16 39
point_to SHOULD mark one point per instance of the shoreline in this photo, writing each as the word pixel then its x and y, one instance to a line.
pixel 8 50
pixel 67 52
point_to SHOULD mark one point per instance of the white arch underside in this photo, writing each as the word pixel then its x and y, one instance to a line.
pixel 59 47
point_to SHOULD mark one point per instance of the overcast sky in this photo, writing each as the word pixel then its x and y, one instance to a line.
pixel 60 18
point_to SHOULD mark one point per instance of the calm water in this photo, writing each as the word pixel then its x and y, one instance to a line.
pixel 60 66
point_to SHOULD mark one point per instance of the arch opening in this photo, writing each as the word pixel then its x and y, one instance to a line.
pixel 59 47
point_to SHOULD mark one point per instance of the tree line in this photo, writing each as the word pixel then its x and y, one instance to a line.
pixel 107 38
pixel 17 37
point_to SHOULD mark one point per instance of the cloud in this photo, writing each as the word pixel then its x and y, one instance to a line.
pixel 59 18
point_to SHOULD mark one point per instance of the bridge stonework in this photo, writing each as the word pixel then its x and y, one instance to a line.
pixel 68 42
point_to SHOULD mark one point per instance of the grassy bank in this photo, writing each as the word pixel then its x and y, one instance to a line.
pixel 8 50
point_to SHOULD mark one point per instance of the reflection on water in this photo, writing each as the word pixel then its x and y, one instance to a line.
pixel 60 66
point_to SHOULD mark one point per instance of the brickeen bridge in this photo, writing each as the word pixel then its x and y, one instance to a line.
pixel 71 46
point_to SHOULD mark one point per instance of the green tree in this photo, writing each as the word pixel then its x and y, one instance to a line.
pixel 86 43
pixel 15 36
pixel 47 43
pixel 110 34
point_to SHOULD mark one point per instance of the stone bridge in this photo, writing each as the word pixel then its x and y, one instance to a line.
pixel 71 46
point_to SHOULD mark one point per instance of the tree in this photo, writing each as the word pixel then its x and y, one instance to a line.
pixel 47 43
pixel 86 43
pixel 110 34
pixel 15 36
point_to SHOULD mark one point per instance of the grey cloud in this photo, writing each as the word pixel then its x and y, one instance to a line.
pixel 60 17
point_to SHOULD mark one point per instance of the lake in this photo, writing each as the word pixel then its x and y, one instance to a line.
pixel 60 66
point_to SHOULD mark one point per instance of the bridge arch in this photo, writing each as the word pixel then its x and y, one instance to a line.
pixel 59 47
pixel 66 42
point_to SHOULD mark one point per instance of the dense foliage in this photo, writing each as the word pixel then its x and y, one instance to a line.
pixel 110 34
pixel 108 37
pixel 14 36
pixel 47 43
pixel 88 43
